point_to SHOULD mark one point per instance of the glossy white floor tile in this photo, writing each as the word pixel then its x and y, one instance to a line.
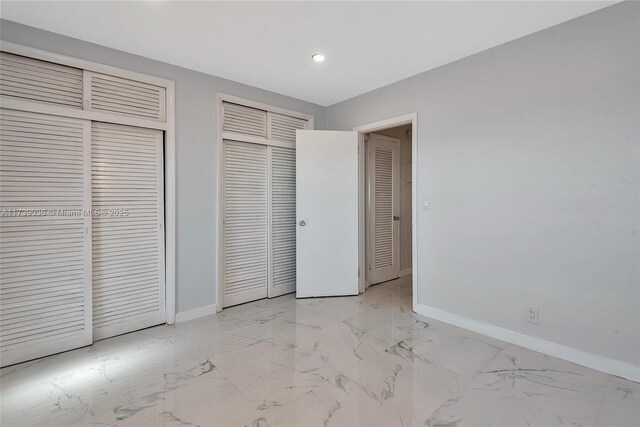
pixel 366 360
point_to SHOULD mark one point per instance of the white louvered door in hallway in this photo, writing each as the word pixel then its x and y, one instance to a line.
pixel 128 234
pixel 45 241
pixel 245 222
pixel 282 173
pixel 384 207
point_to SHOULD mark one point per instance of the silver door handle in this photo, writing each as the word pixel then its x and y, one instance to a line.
pixel 396 218
pixel 302 223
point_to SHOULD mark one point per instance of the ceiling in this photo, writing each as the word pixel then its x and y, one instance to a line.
pixel 269 44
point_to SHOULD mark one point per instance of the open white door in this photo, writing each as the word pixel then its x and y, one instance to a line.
pixel 327 213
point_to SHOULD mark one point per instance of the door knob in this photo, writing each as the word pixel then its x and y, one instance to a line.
pixel 396 218
pixel 302 223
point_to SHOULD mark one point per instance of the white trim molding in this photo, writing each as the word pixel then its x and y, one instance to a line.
pixel 580 357
pixel 170 204
pixel 196 313
pixel 96 116
pixel 405 272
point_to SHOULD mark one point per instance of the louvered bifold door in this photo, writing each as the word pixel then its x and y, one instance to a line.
pixel 384 206
pixel 45 240
pixel 244 222
pixel 128 229
pixel 282 173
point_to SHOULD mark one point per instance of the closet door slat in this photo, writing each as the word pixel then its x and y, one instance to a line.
pixel 40 81
pixel 245 222
pixel 128 245
pixel 126 97
pixel 283 128
pixel 45 246
pixel 283 221
pixel 244 120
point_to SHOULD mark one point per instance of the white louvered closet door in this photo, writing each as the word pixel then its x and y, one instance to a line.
pixel 244 222
pixel 384 224
pixel 282 173
pixel 45 243
pixel 128 229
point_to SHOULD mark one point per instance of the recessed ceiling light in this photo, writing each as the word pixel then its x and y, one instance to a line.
pixel 317 57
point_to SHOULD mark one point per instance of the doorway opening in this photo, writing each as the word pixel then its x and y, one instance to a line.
pixel 387 197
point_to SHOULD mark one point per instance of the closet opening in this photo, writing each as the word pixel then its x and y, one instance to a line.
pixel 88 167
pixel 256 200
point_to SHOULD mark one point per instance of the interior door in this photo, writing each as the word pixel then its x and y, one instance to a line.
pixel 384 208
pixel 327 213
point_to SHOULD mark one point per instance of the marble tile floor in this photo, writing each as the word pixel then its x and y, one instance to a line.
pixel 347 361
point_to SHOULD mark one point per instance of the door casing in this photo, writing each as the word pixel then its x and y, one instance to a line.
pixel 412 119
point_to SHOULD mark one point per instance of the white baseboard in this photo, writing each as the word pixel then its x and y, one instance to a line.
pixel 590 360
pixel 196 313
pixel 405 272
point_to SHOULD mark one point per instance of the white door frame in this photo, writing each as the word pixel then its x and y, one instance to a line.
pixel 407 119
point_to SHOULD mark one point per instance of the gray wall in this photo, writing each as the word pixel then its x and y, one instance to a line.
pixel 530 156
pixel 406 213
pixel 196 154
